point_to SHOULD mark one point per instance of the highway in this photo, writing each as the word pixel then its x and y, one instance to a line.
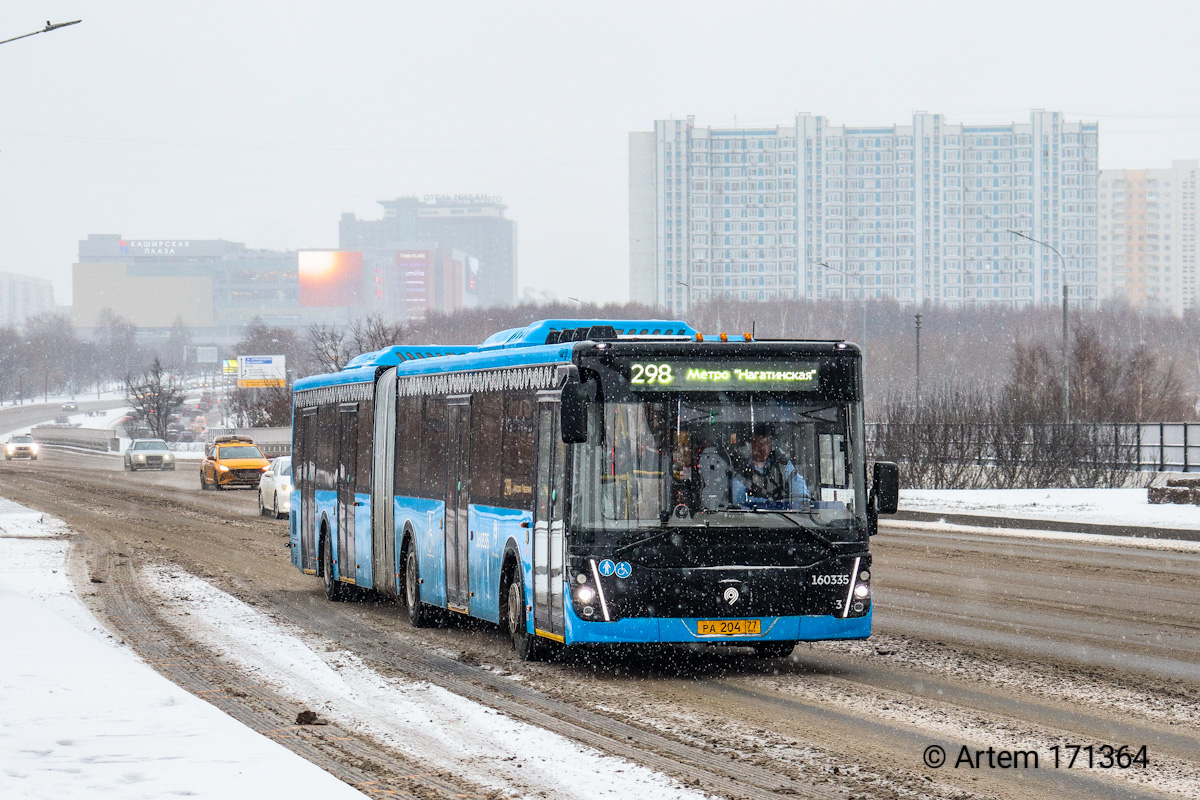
pixel 981 640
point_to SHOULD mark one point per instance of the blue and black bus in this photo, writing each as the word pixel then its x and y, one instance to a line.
pixel 593 481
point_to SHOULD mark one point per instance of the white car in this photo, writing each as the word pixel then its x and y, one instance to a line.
pixel 148 454
pixel 275 488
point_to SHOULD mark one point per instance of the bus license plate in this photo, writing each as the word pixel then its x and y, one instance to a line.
pixel 729 627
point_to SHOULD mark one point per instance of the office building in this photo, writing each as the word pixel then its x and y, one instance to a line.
pixel 919 212
pixel 1147 233
pixel 23 296
pixel 219 287
pixel 472 224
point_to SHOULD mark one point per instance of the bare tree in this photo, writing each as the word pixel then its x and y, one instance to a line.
pixel 327 346
pixel 155 396
pixel 262 408
pixel 372 332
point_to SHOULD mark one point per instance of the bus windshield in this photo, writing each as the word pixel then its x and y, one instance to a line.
pixel 725 458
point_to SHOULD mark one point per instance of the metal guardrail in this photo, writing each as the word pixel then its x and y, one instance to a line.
pixel 1151 446
pixel 90 438
pixel 272 441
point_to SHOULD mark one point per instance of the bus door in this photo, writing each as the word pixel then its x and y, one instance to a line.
pixel 306 481
pixel 458 474
pixel 383 534
pixel 347 473
pixel 548 545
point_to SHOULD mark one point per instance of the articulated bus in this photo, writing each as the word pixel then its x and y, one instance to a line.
pixel 597 481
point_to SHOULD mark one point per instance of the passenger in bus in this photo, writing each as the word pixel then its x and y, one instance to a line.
pixel 769 476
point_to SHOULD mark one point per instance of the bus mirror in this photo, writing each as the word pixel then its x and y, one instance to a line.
pixel 575 398
pixel 885 487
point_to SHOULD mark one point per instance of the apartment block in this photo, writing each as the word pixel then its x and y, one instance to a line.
pixel 920 212
pixel 1147 236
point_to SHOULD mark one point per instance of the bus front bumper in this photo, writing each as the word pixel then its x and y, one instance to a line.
pixel 684 630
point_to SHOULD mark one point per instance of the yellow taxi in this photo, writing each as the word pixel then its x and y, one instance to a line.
pixel 232 461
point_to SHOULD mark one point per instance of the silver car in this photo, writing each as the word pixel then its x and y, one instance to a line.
pixel 275 488
pixel 148 454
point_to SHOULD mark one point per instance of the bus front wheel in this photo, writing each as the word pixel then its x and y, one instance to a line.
pixel 420 615
pixel 774 649
pixel 529 647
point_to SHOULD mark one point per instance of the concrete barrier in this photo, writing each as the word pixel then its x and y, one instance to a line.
pixel 88 438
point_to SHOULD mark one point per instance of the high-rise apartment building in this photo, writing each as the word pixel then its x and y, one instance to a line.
pixel 23 296
pixel 474 224
pixel 1147 235
pixel 920 212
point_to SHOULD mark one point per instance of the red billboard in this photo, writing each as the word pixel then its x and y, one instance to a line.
pixel 330 278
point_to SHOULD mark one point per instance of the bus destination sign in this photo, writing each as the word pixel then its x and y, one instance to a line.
pixel 721 375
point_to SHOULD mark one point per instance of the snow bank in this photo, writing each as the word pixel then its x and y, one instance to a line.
pixel 1099 506
pixel 428 723
pixel 83 717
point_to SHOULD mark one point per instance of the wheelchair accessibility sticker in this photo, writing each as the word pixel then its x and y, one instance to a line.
pixel 624 570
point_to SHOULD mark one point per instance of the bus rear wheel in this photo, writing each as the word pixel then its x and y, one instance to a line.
pixel 774 649
pixel 334 590
pixel 529 646
pixel 420 615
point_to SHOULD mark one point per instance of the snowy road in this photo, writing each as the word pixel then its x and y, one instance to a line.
pixel 982 640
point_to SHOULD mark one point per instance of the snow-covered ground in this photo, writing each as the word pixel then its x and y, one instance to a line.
pixel 426 722
pixel 84 717
pixel 1101 506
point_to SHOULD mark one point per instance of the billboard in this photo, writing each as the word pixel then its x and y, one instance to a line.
pixel 330 277
pixel 257 372
pixel 206 355
pixel 416 266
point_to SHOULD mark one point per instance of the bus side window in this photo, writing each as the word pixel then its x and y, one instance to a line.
pixel 433 447
pixel 517 464
pixel 366 435
pixel 487 448
pixel 408 446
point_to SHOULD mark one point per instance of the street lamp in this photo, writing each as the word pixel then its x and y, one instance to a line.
pixel 50 26
pixel 1066 364
pixel 711 295
pixel 863 284
pixel 918 359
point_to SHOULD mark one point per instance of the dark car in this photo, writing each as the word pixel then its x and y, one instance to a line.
pixel 149 454
pixel 21 446
pixel 69 407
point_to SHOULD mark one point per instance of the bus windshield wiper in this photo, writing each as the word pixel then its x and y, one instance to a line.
pixel 820 538
pixel 654 537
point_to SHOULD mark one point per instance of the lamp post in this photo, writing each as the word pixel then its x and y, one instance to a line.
pixel 1066 362
pixel 864 301
pixel 918 359
pixel 710 294
pixel 49 27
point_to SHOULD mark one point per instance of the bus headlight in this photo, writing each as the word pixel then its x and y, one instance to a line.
pixel 585 594
pixel 223 468
pixel 862 591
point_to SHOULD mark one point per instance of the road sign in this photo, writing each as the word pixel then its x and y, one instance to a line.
pixel 256 372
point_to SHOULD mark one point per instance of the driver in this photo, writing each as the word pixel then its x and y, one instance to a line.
pixel 769 475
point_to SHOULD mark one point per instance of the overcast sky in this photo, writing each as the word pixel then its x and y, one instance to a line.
pixel 262 122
